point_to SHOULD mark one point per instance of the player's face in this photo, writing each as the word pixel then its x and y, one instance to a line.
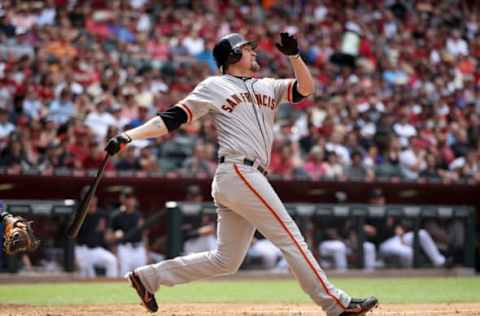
pixel 249 59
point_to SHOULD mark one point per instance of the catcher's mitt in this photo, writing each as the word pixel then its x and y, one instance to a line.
pixel 18 235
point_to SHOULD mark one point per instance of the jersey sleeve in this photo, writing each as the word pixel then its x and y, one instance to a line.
pixel 200 101
pixel 283 89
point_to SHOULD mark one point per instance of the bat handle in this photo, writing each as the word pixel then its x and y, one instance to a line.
pixel 102 168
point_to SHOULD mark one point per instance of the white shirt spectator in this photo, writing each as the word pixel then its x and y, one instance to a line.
pixel 341 151
pixel 404 131
pixel 47 17
pixel 333 171
pixel 5 126
pixel 137 4
pixel 144 23
pixel 23 22
pixel 368 130
pixel 32 107
pixel 99 122
pixel 411 164
pixel 61 111
pixel 320 13
pixel 435 57
pixel 195 45
pixel 457 46
pixel 390 29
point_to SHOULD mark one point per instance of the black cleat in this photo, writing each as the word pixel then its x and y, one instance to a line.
pixel 358 306
pixel 148 299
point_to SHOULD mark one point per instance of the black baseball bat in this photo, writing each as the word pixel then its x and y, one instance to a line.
pixel 82 208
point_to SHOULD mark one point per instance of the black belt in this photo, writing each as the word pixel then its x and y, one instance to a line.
pixel 248 162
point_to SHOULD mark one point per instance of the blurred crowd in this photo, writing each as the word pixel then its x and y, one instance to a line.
pixel 397 85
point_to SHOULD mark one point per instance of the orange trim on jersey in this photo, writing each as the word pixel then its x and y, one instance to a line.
pixel 279 220
pixel 187 110
pixel 289 93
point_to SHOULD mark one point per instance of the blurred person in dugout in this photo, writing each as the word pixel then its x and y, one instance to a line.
pixel 199 232
pixel 130 242
pixel 91 250
pixel 395 239
pixel 269 256
pixel 339 243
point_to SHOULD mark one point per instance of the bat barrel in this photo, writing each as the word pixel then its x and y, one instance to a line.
pixel 82 209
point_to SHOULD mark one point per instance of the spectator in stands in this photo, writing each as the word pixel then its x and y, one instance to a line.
pixel 126 234
pixel 315 165
pixel 287 162
pixel 471 168
pixel 198 165
pixel 12 154
pixel 99 119
pixel 142 117
pixel 55 59
pixel 403 129
pixel 334 168
pixel 32 106
pixel 56 158
pixel 62 109
pixel 356 170
pixel 91 250
pixel 95 157
pixel 148 161
pixel 412 160
pixel 6 127
pixel 390 164
pixel 129 160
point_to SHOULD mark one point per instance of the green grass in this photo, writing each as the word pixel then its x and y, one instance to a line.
pixel 389 290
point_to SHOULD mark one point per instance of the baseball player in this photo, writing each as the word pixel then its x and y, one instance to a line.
pixel 243 108
pixel 131 251
pixel 91 249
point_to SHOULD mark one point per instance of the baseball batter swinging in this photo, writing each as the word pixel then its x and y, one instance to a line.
pixel 243 108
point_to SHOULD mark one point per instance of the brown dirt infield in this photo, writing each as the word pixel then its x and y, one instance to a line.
pixel 459 309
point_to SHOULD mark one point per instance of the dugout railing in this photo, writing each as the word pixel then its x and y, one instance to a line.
pixel 305 213
pixel 60 211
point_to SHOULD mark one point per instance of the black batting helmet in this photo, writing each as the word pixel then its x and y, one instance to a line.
pixel 228 51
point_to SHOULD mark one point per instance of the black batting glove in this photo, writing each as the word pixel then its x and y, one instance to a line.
pixel 288 44
pixel 117 143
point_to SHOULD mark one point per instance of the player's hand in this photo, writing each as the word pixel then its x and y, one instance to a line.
pixel 117 143
pixel 288 44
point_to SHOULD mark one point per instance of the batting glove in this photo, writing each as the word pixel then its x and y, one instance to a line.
pixel 288 45
pixel 117 143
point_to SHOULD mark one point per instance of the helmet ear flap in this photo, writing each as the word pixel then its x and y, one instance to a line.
pixel 235 55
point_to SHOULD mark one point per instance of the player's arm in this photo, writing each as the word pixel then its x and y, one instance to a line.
pixel 304 84
pixel 160 125
pixel 194 106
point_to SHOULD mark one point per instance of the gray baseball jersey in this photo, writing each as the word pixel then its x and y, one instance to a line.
pixel 244 112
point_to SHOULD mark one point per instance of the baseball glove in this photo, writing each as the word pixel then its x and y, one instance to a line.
pixel 18 235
